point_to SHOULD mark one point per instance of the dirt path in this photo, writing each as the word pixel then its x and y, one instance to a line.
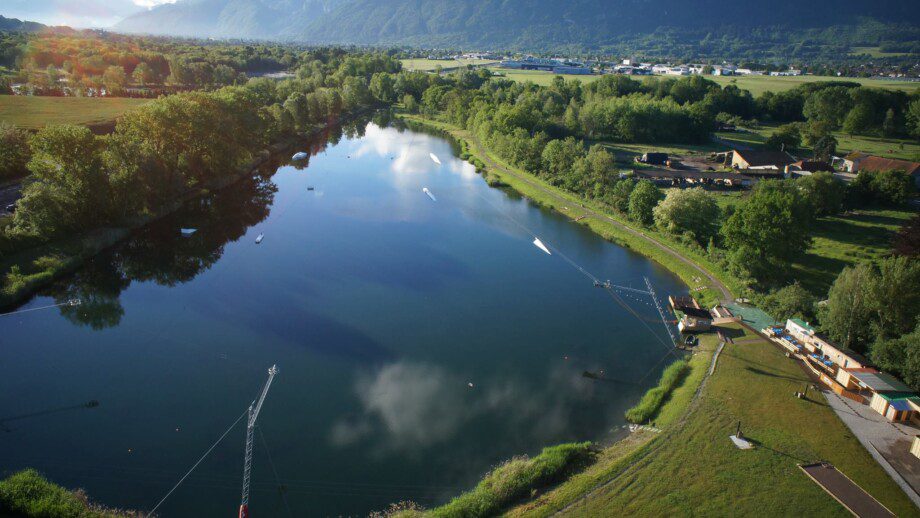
pixel 726 294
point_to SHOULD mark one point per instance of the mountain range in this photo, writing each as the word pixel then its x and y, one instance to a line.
pixel 504 23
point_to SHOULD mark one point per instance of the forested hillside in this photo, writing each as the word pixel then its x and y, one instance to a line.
pixel 777 26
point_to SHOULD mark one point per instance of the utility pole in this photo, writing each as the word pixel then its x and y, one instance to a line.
pixel 254 409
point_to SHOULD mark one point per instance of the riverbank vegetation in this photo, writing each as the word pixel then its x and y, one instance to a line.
pixel 695 469
pixel 166 150
pixel 513 480
pixel 28 494
pixel 651 402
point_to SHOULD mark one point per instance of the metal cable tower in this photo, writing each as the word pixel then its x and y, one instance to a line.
pixel 664 319
pixel 254 409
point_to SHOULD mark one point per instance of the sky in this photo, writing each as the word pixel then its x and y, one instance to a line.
pixel 75 13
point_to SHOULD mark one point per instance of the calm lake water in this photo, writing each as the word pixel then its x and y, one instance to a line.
pixel 380 307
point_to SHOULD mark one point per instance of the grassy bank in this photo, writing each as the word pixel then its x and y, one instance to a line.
pixel 28 494
pixel 34 112
pixel 651 402
pixel 694 468
pixel 574 208
pixel 512 481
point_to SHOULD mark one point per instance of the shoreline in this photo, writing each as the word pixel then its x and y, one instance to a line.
pixel 93 242
pixel 587 213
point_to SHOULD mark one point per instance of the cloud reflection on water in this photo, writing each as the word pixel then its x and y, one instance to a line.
pixel 407 406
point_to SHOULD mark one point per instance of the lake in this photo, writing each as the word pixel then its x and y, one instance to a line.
pixel 419 343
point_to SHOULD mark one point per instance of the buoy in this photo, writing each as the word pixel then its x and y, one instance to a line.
pixel 470 384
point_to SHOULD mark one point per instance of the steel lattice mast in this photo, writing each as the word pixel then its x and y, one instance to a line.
pixel 664 319
pixel 254 409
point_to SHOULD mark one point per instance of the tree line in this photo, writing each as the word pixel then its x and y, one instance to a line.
pixel 546 131
pixel 171 146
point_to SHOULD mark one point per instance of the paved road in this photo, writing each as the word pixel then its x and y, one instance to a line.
pixel 889 443
pixel 726 294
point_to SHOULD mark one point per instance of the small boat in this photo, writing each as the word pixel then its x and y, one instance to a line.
pixel 310 188
pixel 186 232
pixel 539 244
pixel 259 239
pixel 300 155
pixel 434 158
pixel 426 191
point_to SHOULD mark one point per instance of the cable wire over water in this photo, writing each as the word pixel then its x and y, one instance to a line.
pixel 189 472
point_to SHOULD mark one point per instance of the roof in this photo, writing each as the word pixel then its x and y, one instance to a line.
pixel 860 369
pixel 881 382
pixel 903 403
pixel 855 155
pixel 877 163
pixel 812 165
pixel 801 323
pixel 762 158
pixel 695 312
pixel 898 396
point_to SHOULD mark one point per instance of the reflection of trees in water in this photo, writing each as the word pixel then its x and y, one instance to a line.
pixel 160 253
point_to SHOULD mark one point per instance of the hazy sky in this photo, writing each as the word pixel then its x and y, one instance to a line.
pixel 76 13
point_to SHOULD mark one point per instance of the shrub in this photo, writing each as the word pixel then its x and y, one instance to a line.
pixel 515 479
pixel 651 402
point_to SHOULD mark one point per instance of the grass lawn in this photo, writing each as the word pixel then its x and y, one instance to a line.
pixel 889 147
pixel 845 240
pixel 429 65
pixel 760 84
pixel 756 84
pixel 541 77
pixel 692 468
pixel 32 112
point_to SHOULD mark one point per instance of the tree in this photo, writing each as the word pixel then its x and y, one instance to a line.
pixel 619 195
pixel 410 104
pixel 848 315
pixel 692 211
pixel 890 124
pixel 68 188
pixel 786 137
pixel 383 87
pixel 896 294
pixel 900 356
pixel 143 74
pixel 642 202
pixel 114 79
pixel 913 118
pixel 223 75
pixel 825 148
pixel 859 120
pixel 769 230
pixel 824 192
pixel 792 301
pixel 867 302
pixel 830 105
pixel 14 151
